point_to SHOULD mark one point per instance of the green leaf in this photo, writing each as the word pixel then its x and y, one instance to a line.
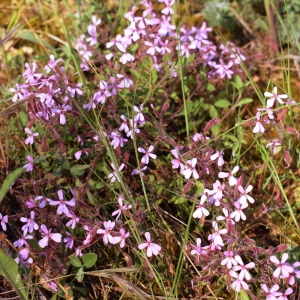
pixel 9 181
pixel 210 87
pixel 80 274
pixel 135 74
pixel 30 36
pixel 75 261
pixel 154 76
pixel 180 200
pixel 23 118
pixel 89 259
pixel 78 170
pixel 239 82
pixel 244 295
pixel 91 198
pixel 213 113
pixel 244 101
pixel 65 164
pixel 222 103
pixel 9 270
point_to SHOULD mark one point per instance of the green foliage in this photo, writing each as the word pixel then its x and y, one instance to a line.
pixel 10 270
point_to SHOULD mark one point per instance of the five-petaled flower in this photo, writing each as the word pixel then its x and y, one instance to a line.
pixel 282 267
pixel 191 169
pixel 56 237
pixel 232 180
pixel 145 158
pixel 31 136
pixel 29 167
pixel 274 96
pixel 152 249
pixel 62 203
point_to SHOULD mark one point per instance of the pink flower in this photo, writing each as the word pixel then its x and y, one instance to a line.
pixel 272 293
pixel 176 163
pixel 218 155
pixel 124 235
pixel 114 175
pixel 30 139
pixel 62 203
pixel 244 195
pixel 4 220
pixel 139 118
pixel 145 158
pixel 107 237
pixel 239 282
pixel 243 268
pixel 30 224
pixel 282 267
pixel 238 213
pixel 201 210
pixel 215 237
pixel 56 237
pixel 232 180
pixel 30 165
pixel 216 194
pixel 69 240
pixel 258 126
pixel 198 250
pixel 152 249
pixel 274 96
pixel 191 169
pixel 121 207
pixel 168 9
pixel 284 295
pixel 73 220
pixel 229 261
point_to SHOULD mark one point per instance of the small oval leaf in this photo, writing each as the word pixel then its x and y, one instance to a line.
pixel 89 259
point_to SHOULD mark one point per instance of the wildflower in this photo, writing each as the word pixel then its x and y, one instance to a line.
pixel 191 169
pixel 274 96
pixel 4 220
pixel 137 171
pixel 107 237
pixel 274 147
pixel 176 163
pixel 22 241
pixel 145 158
pixel 216 194
pixel 69 240
pixel 56 237
pixel 73 220
pixel 238 213
pixel 124 235
pixel 197 249
pixel 229 261
pixel 121 207
pixel 52 63
pixel 284 295
pixel 152 249
pixel 218 155
pixel 231 179
pixel 224 69
pixel 244 195
pixel 18 93
pixel 269 112
pixel 139 118
pixel 117 140
pixel 272 293
pixel 258 126
pixel 113 176
pixel 243 268
pixel 62 203
pixel 30 165
pixel 239 282
pixel 282 267
pixel 168 9
pixel 215 237
pixel 30 224
pixel 30 139
pixel 201 210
